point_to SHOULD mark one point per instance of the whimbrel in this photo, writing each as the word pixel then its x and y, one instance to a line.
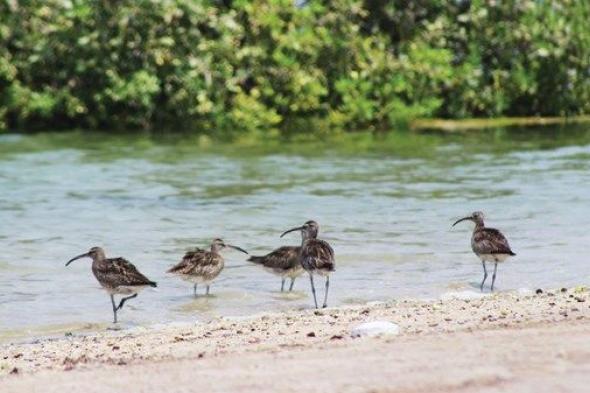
pixel 201 266
pixel 117 275
pixel 488 244
pixel 316 256
pixel 284 262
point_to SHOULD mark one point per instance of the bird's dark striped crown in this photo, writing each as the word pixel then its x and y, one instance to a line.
pixel 478 216
pixel 96 253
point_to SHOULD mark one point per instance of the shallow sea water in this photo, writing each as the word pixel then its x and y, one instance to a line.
pixel 385 203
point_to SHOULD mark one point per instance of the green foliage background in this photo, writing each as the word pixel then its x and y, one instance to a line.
pixel 263 67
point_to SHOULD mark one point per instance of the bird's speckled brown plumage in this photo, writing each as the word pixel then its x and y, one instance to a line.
pixel 283 262
pixel 119 276
pixel 317 256
pixel 201 266
pixel 490 241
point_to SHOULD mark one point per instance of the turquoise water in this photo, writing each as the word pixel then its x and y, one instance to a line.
pixel 385 203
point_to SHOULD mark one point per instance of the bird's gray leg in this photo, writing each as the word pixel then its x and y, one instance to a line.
pixel 207 290
pixel 494 275
pixel 485 275
pixel 292 282
pixel 282 284
pixel 114 309
pixel 195 290
pixel 125 299
pixel 326 294
pixel 313 290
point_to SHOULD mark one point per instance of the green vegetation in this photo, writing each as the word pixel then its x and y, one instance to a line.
pixel 262 67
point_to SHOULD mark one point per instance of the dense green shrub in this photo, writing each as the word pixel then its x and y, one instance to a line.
pixel 261 67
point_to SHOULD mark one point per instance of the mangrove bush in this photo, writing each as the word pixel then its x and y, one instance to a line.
pixel 228 67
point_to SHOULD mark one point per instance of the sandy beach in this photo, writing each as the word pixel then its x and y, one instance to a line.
pixel 512 341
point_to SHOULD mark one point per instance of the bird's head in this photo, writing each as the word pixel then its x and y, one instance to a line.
pixel 95 253
pixel 477 217
pixel 309 230
pixel 218 245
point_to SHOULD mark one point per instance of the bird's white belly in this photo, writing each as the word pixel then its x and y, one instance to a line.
pixel 195 279
pixel 126 290
pixel 291 273
pixel 294 273
pixel 278 272
pixel 323 273
pixel 495 258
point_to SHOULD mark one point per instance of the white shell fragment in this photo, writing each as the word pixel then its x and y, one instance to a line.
pixel 525 292
pixel 375 328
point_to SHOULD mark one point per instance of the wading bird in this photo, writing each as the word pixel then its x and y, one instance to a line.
pixel 488 244
pixel 284 262
pixel 316 256
pixel 117 275
pixel 201 266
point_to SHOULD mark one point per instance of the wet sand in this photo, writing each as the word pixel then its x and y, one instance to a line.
pixel 502 342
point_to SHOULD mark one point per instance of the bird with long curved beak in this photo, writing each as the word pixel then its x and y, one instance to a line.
pixel 316 256
pixel 117 276
pixel 201 266
pixel 489 244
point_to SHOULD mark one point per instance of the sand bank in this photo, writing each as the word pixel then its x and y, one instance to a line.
pixel 517 341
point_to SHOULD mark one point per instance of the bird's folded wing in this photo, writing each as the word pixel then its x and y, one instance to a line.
pixel 187 262
pixel 282 258
pixel 319 254
pixel 197 262
pixel 491 241
pixel 121 272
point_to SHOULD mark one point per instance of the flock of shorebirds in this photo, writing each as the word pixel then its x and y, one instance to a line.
pixel 118 276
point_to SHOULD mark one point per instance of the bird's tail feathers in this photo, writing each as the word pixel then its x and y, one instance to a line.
pixel 256 259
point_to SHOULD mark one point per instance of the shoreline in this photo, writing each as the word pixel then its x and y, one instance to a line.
pixel 318 331
pixel 460 125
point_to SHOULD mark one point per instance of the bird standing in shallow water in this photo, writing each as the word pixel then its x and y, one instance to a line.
pixel 316 256
pixel 117 275
pixel 201 266
pixel 488 244
pixel 284 262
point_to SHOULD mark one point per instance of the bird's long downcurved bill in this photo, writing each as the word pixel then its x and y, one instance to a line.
pixel 292 230
pixel 78 257
pixel 462 219
pixel 237 248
